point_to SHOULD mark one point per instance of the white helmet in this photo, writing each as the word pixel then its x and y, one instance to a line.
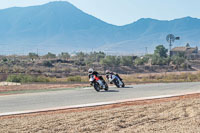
pixel 107 72
pixel 90 70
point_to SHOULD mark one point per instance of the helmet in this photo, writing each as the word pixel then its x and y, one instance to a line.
pixel 107 72
pixel 90 70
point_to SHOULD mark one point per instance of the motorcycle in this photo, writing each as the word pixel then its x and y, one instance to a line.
pixel 116 80
pixel 98 84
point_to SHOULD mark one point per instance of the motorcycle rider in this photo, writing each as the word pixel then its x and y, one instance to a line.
pixel 108 72
pixel 91 72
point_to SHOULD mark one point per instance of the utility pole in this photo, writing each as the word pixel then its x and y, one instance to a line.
pixel 146 50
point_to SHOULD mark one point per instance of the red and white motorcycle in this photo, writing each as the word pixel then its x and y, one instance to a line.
pixel 98 84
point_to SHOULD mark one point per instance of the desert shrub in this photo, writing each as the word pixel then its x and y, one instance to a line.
pixel 4 59
pixel 126 60
pixel 14 78
pixel 158 60
pixel 42 79
pixel 47 64
pixel 192 77
pixel 74 79
pixel 94 57
pixel 50 55
pixel 33 55
pixel 19 78
pixel 184 65
pixel 64 55
pixel 178 60
pixel 141 60
pixel 110 61
pixel 26 78
pixel 79 63
pixel 80 56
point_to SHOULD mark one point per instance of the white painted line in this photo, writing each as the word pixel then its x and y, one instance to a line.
pixel 93 104
pixel 87 88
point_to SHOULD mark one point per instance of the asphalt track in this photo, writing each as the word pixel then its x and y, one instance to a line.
pixel 52 100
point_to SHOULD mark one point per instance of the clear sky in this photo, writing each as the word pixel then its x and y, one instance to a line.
pixel 120 12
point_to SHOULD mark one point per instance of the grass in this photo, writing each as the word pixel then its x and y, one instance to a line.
pixel 134 78
pixel 145 78
pixel 162 78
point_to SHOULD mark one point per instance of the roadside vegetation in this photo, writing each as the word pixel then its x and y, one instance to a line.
pixel 132 78
pixel 73 67
pixel 162 78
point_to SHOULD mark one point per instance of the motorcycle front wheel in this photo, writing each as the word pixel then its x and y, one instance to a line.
pixel 97 87
pixel 116 83
pixel 123 85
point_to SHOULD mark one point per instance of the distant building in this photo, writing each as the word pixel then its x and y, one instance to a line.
pixel 187 51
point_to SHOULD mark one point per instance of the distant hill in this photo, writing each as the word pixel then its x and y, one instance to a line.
pixel 60 26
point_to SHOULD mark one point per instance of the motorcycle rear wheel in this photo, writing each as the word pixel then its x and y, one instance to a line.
pixel 106 87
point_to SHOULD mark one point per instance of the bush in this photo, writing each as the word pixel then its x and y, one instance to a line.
pixel 50 55
pixel 47 64
pixel 64 55
pixel 157 60
pixel 110 61
pixel 141 60
pixel 14 78
pixel 74 79
pixel 42 79
pixel 26 78
pixel 177 60
pixel 126 60
pixel 4 59
pixel 94 57
pixel 33 55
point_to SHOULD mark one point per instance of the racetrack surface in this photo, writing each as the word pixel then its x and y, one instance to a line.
pixel 64 98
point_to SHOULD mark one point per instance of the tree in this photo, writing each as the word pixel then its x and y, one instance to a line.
pixel 33 55
pixel 110 61
pixel 158 60
pixel 50 55
pixel 161 51
pixel 99 55
pixel 80 56
pixel 178 60
pixel 64 55
pixel 141 60
pixel 94 57
pixel 126 60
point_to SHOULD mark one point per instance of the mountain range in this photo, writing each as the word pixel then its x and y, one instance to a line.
pixel 61 27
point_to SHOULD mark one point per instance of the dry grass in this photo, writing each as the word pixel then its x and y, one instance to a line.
pixel 193 76
pixel 163 77
pixel 26 87
pixel 158 117
pixel 82 81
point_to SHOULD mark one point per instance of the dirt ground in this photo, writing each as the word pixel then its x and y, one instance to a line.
pixel 39 87
pixel 168 115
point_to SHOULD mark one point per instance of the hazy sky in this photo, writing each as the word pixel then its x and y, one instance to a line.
pixel 122 12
